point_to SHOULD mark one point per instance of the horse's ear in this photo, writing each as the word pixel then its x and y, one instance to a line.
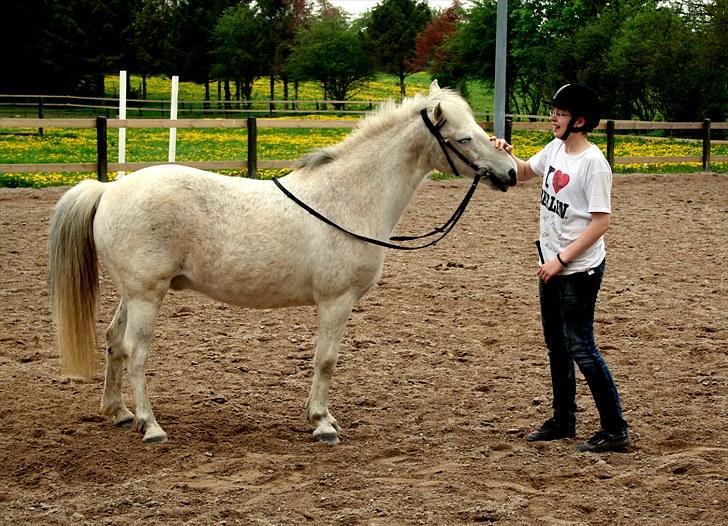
pixel 437 114
pixel 434 87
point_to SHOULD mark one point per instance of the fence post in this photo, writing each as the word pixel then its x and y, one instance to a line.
pixel 706 145
pixel 610 143
pixel 40 114
pixel 508 131
pixel 102 157
pixel 252 148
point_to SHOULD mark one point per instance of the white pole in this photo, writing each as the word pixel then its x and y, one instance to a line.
pixel 173 117
pixel 501 37
pixel 122 115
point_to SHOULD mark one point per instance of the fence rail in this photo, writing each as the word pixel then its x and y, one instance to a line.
pixel 55 105
pixel 252 164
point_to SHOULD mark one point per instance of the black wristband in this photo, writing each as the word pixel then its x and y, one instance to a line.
pixel 558 256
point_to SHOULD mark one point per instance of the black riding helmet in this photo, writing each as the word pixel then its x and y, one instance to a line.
pixel 580 101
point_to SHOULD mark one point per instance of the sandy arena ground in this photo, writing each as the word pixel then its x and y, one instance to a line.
pixel 441 376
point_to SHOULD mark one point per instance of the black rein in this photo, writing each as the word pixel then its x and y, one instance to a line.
pixel 443 230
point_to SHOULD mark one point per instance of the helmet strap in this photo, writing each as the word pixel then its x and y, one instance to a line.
pixel 571 128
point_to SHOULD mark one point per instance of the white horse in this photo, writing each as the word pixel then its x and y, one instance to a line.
pixel 243 242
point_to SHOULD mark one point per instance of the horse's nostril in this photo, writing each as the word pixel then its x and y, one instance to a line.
pixel 512 174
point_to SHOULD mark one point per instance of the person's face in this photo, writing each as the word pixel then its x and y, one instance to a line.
pixel 560 119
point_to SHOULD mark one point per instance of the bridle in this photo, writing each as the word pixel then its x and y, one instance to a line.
pixel 445 229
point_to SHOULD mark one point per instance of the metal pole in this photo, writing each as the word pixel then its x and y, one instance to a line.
pixel 501 37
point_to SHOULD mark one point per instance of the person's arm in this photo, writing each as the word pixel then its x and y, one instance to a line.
pixel 524 170
pixel 597 227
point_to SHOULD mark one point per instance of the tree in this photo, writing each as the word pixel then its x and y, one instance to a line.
pixel 102 32
pixel 325 9
pixel 713 61
pixel 63 47
pixel 192 38
pixel 330 52
pixel 550 43
pixel 44 63
pixel 391 36
pixel 237 49
pixel 430 52
pixel 151 39
pixel 469 53
pixel 653 55
pixel 279 20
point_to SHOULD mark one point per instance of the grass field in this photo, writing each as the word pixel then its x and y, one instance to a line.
pixel 79 145
pixel 382 87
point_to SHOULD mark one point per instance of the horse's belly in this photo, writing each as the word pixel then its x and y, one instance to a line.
pixel 284 281
pixel 261 298
pixel 251 291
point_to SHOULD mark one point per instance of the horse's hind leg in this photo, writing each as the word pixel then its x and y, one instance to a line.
pixel 112 405
pixel 333 315
pixel 141 317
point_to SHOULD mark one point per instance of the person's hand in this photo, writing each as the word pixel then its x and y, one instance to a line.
pixel 549 269
pixel 501 144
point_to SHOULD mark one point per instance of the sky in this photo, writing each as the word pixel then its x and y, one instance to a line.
pixel 356 7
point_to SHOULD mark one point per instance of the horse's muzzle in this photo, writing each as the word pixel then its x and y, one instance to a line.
pixel 496 181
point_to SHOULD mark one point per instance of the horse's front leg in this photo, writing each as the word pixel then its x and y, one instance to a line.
pixel 333 315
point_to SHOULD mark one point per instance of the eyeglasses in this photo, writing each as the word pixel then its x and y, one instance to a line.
pixel 559 113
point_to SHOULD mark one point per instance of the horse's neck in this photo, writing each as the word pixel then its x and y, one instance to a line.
pixel 390 167
pixel 372 183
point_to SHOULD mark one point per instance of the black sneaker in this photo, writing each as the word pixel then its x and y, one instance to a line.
pixel 603 441
pixel 551 430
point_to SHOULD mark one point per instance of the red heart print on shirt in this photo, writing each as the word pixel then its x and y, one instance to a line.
pixel 560 180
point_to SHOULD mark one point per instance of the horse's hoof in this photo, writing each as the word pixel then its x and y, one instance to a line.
pixel 330 438
pixel 155 439
pixel 125 424
pixel 153 433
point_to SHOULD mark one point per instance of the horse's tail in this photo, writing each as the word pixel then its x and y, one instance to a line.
pixel 74 277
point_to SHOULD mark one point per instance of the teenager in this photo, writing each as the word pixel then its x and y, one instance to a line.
pixel 575 203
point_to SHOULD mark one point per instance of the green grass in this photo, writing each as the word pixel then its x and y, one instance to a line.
pixel 382 87
pixel 273 143
pixel 79 145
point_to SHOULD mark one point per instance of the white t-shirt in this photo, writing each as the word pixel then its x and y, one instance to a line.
pixel 573 186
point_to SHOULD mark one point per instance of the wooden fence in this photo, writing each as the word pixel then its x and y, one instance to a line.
pixel 252 163
pixel 67 106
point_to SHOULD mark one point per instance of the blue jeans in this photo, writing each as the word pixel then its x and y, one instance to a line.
pixel 567 314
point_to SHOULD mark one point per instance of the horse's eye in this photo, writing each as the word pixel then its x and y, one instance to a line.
pixel 464 140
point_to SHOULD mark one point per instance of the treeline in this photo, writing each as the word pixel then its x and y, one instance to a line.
pixel 648 58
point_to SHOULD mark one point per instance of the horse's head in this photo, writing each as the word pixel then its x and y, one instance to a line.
pixel 468 146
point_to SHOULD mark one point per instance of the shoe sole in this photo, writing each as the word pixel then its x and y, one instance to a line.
pixel 612 448
pixel 548 439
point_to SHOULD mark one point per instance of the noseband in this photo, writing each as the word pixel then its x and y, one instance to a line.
pixel 444 230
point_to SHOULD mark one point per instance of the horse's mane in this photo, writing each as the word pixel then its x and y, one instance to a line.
pixel 379 119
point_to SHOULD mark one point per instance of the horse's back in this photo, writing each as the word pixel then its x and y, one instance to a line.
pixel 160 219
pixel 163 203
pixel 163 181
pixel 237 240
pixel 175 194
